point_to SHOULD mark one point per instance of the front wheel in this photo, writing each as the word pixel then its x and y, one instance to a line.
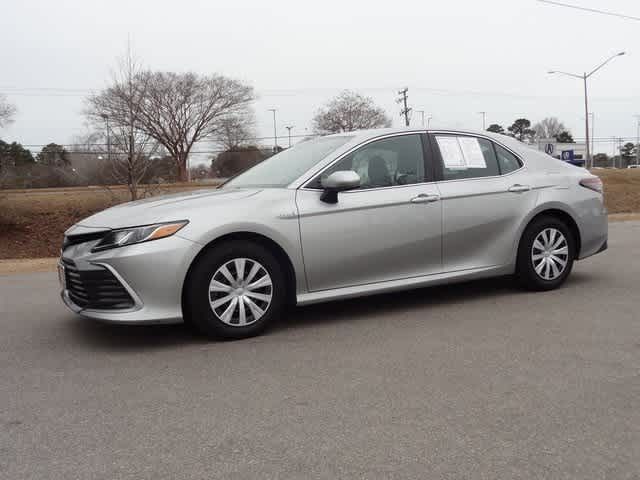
pixel 545 255
pixel 235 290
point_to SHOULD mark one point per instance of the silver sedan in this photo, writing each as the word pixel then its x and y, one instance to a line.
pixel 336 217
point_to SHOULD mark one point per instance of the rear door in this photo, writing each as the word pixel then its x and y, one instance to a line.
pixel 485 193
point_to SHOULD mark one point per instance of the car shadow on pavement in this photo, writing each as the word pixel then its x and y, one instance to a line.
pixel 115 337
pixel 397 302
pixel 136 337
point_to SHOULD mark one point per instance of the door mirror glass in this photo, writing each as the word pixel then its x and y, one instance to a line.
pixel 338 182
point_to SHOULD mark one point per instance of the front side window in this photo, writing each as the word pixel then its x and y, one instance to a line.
pixel 466 157
pixel 383 163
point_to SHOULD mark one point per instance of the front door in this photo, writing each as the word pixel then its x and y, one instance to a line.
pixel 388 229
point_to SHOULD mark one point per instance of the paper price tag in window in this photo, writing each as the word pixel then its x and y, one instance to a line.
pixel 472 152
pixel 450 151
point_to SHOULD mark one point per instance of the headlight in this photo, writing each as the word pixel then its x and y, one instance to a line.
pixel 129 236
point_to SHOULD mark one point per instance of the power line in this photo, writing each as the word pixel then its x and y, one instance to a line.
pixel 592 10
pixel 218 150
pixel 61 92
pixel 35 145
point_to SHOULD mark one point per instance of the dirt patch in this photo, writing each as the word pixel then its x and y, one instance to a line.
pixel 28 265
pixel 33 222
pixel 624 217
pixel 621 189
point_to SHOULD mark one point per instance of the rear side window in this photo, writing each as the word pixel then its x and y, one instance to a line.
pixel 466 157
pixel 508 161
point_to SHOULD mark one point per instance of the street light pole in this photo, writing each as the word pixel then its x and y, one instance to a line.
pixel 584 78
pixel 593 123
pixel 429 120
pixel 484 117
pixel 586 122
pixel 289 130
pixel 275 131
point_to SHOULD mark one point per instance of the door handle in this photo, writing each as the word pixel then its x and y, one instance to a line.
pixel 425 198
pixel 517 188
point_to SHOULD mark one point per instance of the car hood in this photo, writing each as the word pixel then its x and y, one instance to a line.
pixel 163 208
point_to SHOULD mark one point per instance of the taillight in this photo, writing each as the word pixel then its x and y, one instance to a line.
pixel 592 183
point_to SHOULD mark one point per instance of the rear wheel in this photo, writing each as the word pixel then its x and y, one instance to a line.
pixel 235 290
pixel 546 253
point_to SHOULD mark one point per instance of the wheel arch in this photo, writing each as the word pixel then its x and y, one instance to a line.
pixel 561 214
pixel 269 243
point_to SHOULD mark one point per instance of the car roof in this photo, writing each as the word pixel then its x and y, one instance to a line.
pixel 359 136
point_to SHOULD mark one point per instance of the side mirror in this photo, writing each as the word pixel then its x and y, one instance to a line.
pixel 339 182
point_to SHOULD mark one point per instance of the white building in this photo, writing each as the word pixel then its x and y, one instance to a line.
pixel 563 151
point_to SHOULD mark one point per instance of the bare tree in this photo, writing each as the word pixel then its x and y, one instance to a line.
pixel 235 131
pixel 130 147
pixel 7 111
pixel 549 127
pixel 349 111
pixel 180 109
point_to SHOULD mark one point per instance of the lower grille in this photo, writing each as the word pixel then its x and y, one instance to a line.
pixel 96 289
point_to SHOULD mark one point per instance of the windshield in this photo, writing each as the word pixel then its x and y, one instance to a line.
pixel 283 168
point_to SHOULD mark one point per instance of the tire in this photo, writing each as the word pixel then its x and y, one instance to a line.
pixel 224 273
pixel 542 269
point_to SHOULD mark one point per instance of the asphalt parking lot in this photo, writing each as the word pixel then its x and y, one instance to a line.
pixel 478 380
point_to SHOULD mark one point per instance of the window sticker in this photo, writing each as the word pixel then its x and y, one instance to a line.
pixel 473 156
pixel 451 152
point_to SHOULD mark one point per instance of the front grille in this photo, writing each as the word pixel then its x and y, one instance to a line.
pixel 96 289
pixel 81 238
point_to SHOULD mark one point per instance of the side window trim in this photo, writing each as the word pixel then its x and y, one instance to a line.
pixel 308 185
pixel 495 153
pixel 518 159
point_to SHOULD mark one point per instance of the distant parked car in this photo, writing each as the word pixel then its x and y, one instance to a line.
pixel 633 166
pixel 340 216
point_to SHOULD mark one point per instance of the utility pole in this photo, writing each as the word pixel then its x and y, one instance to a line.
pixel 289 130
pixel 617 144
pixel 421 112
pixel 403 99
pixel 484 120
pixel 275 131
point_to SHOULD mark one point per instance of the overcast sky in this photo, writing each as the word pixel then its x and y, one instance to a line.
pixel 457 57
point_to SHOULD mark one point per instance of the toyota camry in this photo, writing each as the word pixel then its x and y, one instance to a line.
pixel 339 216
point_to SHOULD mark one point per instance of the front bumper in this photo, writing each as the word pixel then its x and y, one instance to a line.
pixel 153 274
